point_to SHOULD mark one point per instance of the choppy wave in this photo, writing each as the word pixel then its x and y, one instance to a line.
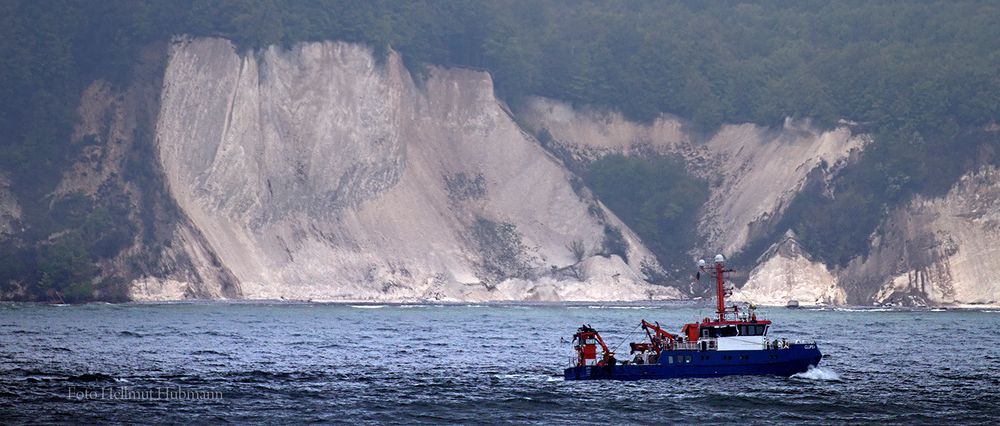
pixel 92 377
pixel 501 363
pixel 818 374
pixel 529 377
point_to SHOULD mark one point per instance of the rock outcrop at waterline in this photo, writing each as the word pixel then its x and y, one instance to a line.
pixel 322 173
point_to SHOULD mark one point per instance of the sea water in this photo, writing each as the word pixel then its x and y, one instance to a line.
pixel 428 363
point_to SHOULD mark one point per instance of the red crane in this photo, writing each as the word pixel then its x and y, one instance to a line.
pixel 658 337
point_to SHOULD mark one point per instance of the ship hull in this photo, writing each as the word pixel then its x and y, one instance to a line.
pixel 797 358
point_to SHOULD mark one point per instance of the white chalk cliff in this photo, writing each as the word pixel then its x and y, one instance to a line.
pixel 320 172
pixel 933 251
pixel 755 171
pixel 785 272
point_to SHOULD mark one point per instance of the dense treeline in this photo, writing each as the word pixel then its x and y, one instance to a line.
pixel 924 64
pixel 916 74
pixel 656 198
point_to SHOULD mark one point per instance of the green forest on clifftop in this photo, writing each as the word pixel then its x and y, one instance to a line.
pixel 922 77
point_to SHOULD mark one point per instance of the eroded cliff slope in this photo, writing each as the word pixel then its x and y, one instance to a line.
pixel 936 250
pixel 931 251
pixel 162 252
pixel 787 272
pixel 755 171
pixel 323 173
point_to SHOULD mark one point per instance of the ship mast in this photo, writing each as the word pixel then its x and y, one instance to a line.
pixel 721 295
pixel 719 270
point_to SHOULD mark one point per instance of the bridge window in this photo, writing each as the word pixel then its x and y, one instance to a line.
pixel 728 331
pixel 752 330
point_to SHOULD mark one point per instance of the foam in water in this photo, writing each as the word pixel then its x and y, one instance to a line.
pixel 530 377
pixel 819 374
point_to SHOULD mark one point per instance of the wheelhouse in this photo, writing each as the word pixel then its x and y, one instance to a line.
pixel 713 330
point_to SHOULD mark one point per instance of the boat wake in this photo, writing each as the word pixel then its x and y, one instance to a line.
pixel 529 377
pixel 821 374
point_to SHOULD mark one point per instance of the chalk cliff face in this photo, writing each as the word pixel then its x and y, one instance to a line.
pixel 933 251
pixel 168 257
pixel 936 250
pixel 322 173
pixel 755 172
pixel 786 272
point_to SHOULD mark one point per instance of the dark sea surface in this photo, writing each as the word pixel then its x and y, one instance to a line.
pixel 294 363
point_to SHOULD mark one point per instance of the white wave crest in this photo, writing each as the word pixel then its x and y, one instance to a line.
pixel 819 374
pixel 529 377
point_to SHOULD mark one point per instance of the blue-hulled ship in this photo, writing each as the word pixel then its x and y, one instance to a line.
pixel 734 343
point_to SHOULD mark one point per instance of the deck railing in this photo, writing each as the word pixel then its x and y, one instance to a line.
pixel 689 346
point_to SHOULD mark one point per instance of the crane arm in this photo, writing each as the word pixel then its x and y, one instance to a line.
pixel 654 329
